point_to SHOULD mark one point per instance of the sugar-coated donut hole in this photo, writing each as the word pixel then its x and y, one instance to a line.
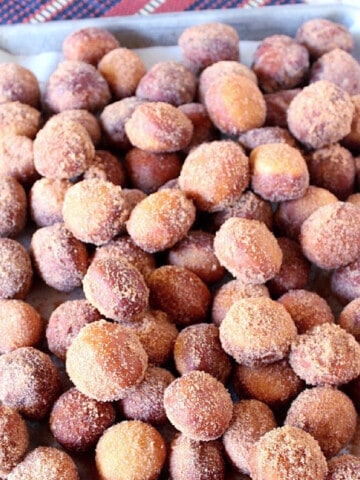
pixel 13 213
pixel 14 439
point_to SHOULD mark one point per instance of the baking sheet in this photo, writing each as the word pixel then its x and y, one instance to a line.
pixel 154 38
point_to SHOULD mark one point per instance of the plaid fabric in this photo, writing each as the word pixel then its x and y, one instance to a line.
pixel 35 11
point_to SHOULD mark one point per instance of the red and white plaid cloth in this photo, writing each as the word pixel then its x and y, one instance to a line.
pixel 34 11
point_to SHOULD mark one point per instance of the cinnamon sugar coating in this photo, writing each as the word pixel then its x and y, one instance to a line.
pixel 116 288
pixel 191 460
pixel 46 200
pixel 63 149
pixel 161 220
pixel 29 382
pixel 20 325
pixel 147 171
pixel 146 401
pixel 198 405
pixel 76 85
pixel 14 439
pixel 280 63
pixel 248 250
pixel 65 323
pixel 229 293
pixel 15 269
pixel 261 136
pixel 277 104
pixel 338 67
pixel 208 43
pixel 60 259
pixel 250 206
pixel 332 168
pixel 89 44
pixel 122 81
pixel 168 81
pixel 215 174
pixel 18 83
pixel 257 330
pixel 123 246
pixel 307 309
pixel 85 118
pixel 295 269
pixel 250 421
pixel 85 219
pixel 180 293
pixel 235 104
pixel 113 119
pixel 77 421
pixel 278 172
pixel 17 158
pixel 45 463
pixel 291 214
pixel 349 318
pixel 130 449
pixel 321 35
pixel 287 453
pixel 332 228
pixel 19 119
pixel 105 360
pixel 196 253
pixel 343 467
pixel 325 355
pixel 345 282
pixel 320 114
pixel 106 166
pixel 13 212
pixel 157 335
pixel 274 383
pixel 221 69
pixel 317 411
pixel 352 140
pixel 198 347
pixel 159 127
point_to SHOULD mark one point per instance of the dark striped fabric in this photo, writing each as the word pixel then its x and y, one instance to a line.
pixel 38 11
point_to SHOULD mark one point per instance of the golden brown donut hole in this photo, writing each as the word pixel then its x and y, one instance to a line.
pixel 46 200
pixel 146 401
pixel 89 44
pixel 60 259
pixel 76 85
pixel 13 213
pixel 15 269
pixel 29 382
pixel 105 360
pixel 196 253
pixel 190 459
pixel 250 421
pixel 198 347
pixel 168 81
pixel 130 449
pixel 208 43
pixel 248 250
pixel 198 405
pixel 14 439
pixel 77 421
pixel 215 174
pixel 274 384
pixel 20 325
pixel 65 323
pixel 180 293
pixel 147 171
pixel 122 81
pixel 317 411
pixel 307 309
